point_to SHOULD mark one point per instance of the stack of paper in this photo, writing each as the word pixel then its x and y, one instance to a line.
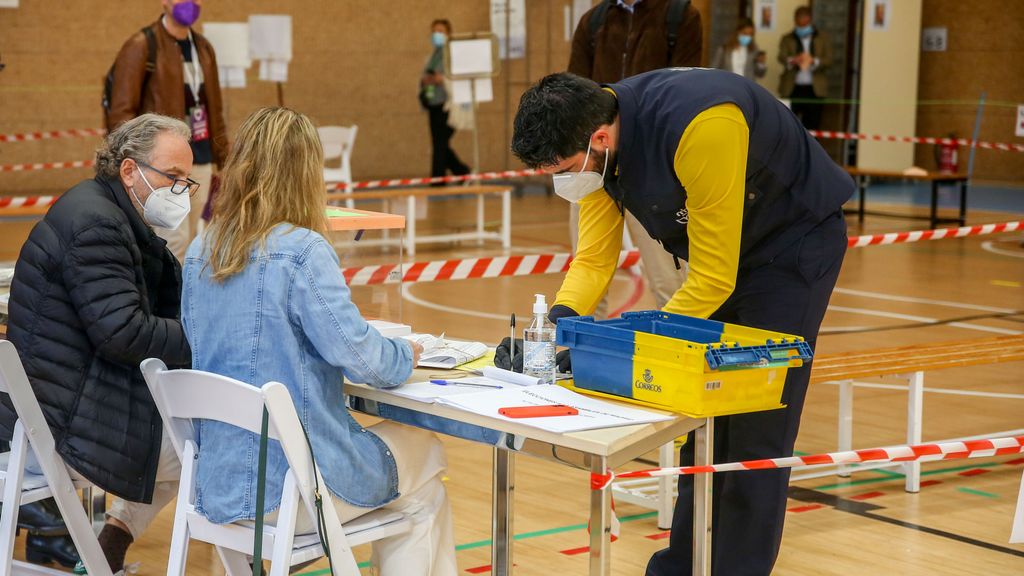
pixel 593 413
pixel 439 352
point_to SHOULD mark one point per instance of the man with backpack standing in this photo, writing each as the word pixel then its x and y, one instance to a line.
pixel 621 38
pixel 170 69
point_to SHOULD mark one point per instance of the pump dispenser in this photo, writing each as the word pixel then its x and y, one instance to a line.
pixel 539 344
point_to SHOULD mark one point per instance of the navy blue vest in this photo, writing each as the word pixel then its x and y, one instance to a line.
pixel 791 183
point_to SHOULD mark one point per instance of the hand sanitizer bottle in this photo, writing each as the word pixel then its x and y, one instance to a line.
pixel 539 344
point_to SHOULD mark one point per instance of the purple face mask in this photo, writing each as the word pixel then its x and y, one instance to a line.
pixel 186 13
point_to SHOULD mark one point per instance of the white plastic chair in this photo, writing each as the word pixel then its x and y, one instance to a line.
pixel 337 142
pixel 184 395
pixel 20 487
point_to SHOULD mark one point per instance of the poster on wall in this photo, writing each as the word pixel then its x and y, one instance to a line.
pixel 515 44
pixel 8 3
pixel 1020 121
pixel 879 14
pixel 764 15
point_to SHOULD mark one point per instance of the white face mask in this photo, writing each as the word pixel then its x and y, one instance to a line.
pixel 163 208
pixel 574 187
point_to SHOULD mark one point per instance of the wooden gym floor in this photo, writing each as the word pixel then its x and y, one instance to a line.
pixel 887 296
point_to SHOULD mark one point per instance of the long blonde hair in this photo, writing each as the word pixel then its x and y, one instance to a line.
pixel 274 174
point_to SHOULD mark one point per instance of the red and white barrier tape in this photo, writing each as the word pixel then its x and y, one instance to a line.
pixel 25 201
pixel 52 135
pixel 499 266
pixel 45 166
pixel 918 140
pixel 395 182
pixel 921 453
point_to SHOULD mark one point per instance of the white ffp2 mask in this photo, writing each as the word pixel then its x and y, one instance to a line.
pixel 575 186
pixel 163 208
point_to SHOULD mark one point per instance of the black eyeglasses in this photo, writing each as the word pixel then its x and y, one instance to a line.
pixel 178 185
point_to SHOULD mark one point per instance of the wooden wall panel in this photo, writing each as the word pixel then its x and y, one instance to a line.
pixel 985 53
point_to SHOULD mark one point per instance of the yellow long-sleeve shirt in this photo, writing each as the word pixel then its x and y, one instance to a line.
pixel 710 162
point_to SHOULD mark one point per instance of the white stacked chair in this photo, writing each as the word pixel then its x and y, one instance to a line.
pixel 185 395
pixel 19 487
pixel 337 142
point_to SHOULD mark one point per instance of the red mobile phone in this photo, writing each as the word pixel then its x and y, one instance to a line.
pixel 538 411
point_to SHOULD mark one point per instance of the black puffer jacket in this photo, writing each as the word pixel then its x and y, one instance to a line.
pixel 95 292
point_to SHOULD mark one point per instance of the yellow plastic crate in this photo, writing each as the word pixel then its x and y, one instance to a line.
pixel 696 367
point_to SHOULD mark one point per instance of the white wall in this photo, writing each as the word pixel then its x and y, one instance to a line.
pixel 889 80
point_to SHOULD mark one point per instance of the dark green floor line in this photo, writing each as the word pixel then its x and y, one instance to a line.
pixel 523 536
pixel 974 492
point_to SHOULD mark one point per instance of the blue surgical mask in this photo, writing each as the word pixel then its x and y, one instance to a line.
pixel 438 39
pixel 745 39
pixel 805 31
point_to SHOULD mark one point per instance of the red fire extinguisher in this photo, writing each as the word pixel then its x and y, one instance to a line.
pixel 947 155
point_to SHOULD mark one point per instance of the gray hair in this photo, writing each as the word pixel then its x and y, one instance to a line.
pixel 135 139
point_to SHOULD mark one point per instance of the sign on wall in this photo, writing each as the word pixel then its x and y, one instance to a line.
pixel 933 39
pixel 514 11
pixel 765 15
pixel 879 14
pixel 1020 121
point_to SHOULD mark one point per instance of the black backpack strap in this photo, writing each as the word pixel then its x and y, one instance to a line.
pixel 150 54
pixel 673 18
pixel 597 18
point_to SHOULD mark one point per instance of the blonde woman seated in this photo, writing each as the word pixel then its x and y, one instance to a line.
pixel 264 299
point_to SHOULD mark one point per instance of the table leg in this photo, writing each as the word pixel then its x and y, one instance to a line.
pixel 600 522
pixel 935 203
pixel 704 438
pixel 915 403
pixel 845 423
pixel 862 190
pixel 480 219
pixel 666 504
pixel 963 202
pixel 506 219
pixel 410 225
pixel 503 496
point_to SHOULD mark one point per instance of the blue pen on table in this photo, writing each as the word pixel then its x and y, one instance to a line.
pixel 472 384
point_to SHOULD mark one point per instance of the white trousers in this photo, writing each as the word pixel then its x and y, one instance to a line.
pixel 136 515
pixel 429 548
pixel 179 238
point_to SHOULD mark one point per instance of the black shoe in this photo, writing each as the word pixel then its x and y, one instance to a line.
pixel 42 518
pixel 46 549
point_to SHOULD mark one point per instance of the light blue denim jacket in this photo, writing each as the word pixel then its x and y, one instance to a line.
pixel 288 317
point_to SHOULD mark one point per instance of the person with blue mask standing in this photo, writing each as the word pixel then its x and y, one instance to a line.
pixel 806 53
pixel 741 54
pixel 434 99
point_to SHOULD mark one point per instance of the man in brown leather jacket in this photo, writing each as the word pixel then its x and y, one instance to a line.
pixel 175 87
pixel 634 38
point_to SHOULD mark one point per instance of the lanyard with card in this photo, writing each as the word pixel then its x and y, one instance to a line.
pixel 197 117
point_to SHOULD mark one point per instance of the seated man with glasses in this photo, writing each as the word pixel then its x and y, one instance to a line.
pixel 95 292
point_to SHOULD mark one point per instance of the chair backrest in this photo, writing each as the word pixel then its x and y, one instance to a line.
pixel 338 142
pixel 14 382
pixel 184 395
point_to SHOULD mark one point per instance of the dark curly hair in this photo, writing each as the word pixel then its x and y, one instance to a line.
pixel 557 116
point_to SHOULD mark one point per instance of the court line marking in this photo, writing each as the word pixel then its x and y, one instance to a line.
pixel 952 391
pixel 925 320
pixel 989 246
pixel 917 300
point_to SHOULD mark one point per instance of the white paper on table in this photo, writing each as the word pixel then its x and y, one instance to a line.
pixel 593 413
pixel 274 70
pixel 232 77
pixel 502 375
pixel 230 42
pixel 430 393
pixel 270 37
pixel 470 57
pixel 462 91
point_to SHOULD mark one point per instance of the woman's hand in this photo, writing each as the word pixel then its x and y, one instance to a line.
pixel 417 350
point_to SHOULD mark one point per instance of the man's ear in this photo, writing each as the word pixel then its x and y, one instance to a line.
pixel 127 172
pixel 602 136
